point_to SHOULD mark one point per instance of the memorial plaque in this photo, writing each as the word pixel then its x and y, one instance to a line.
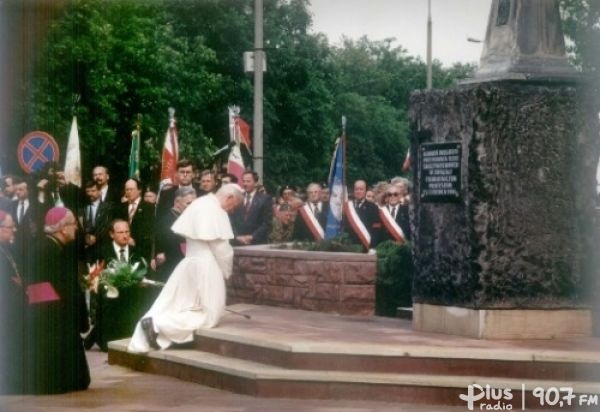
pixel 439 171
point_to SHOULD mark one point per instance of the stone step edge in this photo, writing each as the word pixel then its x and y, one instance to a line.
pixel 415 351
pixel 258 371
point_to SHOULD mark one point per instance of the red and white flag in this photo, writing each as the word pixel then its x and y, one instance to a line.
pixel 170 153
pixel 239 133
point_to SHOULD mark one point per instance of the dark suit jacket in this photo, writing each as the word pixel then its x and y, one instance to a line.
pixel 71 196
pixel 113 195
pixel 369 214
pixel 116 317
pixel 302 232
pixel 29 230
pixel 141 227
pixel 169 243
pixel 256 221
pixel 402 219
pixel 100 228
pixel 166 199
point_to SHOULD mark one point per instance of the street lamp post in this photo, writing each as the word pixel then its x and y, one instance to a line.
pixel 429 68
pixel 258 89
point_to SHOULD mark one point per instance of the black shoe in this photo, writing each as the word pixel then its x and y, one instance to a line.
pixel 151 335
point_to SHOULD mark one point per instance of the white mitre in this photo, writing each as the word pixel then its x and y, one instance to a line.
pixel 204 219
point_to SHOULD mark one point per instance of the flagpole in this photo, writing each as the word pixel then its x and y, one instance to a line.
pixel 344 153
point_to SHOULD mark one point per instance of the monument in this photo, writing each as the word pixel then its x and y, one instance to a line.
pixel 504 240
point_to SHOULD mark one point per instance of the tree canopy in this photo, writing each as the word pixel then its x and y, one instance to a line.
pixel 128 58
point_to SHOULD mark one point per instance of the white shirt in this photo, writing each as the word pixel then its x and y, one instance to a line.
pixel 118 248
pixel 25 206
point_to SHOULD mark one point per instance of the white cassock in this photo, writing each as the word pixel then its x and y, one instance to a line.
pixel 194 295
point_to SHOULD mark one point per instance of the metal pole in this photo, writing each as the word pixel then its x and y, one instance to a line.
pixel 429 68
pixel 258 88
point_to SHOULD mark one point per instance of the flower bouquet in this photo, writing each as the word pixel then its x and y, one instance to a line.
pixel 119 275
pixel 115 276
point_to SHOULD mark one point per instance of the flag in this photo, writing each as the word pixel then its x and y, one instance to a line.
pixel 243 130
pixel 407 165
pixel 73 159
pixel 170 153
pixel 239 133
pixel 337 190
pixel 134 155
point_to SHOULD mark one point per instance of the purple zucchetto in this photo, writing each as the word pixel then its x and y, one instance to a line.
pixel 55 215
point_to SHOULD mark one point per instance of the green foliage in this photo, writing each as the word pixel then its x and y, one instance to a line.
pixel 120 275
pixel 394 277
pixel 128 57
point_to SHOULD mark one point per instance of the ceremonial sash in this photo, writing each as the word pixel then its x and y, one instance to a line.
pixel 312 223
pixel 356 224
pixel 390 224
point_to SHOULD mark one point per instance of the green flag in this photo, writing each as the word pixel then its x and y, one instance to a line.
pixel 134 155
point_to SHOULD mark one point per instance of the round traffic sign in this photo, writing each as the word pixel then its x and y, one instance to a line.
pixel 35 150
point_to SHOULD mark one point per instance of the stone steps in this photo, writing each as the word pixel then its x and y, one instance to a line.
pixel 527 364
pixel 302 354
pixel 265 380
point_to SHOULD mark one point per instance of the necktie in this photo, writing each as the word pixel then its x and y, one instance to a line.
pixel 316 210
pixel 394 212
pixel 131 211
pixel 247 204
pixel 122 255
pixel 21 211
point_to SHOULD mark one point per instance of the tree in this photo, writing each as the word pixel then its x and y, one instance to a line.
pixel 128 57
pixel 123 59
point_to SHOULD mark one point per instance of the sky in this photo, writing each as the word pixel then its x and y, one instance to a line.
pixel 406 20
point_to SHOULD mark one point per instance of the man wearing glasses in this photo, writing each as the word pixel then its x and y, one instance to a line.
pixel 394 214
pixel 185 178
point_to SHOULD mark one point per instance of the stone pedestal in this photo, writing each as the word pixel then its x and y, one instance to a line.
pixel 520 232
pixel 342 283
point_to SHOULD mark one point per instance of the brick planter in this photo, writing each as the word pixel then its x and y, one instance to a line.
pixel 331 282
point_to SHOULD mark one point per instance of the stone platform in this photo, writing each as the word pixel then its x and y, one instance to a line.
pixel 301 354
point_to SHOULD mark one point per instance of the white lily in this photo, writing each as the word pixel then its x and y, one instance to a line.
pixel 111 292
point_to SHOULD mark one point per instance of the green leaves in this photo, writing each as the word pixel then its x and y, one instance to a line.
pixel 129 57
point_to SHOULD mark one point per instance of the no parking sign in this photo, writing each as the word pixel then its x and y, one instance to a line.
pixel 35 150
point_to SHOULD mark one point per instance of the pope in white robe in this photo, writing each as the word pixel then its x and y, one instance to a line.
pixel 194 295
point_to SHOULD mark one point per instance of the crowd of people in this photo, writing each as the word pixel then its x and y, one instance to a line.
pixel 52 233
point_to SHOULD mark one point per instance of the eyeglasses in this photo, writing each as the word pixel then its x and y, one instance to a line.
pixel 395 194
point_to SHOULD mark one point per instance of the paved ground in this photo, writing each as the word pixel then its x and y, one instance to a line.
pixel 116 389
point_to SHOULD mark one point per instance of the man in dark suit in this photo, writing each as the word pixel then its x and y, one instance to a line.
pixel 251 222
pixel 185 178
pixel 140 215
pixel 398 210
pixel 170 247
pixel 95 218
pixel 367 212
pixel 304 226
pixel 116 317
pixel 108 192
pixel 28 214
pixel 54 190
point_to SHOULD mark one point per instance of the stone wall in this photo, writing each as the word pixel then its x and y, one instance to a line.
pixel 342 283
pixel 522 234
